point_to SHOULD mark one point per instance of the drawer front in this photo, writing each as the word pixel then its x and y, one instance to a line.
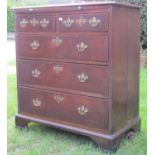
pixel 97 22
pixel 86 78
pixel 72 48
pixel 87 111
pixel 35 23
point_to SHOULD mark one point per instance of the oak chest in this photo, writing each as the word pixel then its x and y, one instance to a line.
pixel 78 69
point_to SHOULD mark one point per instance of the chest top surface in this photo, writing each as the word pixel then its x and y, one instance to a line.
pixel 71 7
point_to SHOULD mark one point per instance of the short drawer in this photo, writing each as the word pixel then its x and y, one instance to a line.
pixel 63 47
pixel 35 23
pixel 89 79
pixel 86 111
pixel 97 22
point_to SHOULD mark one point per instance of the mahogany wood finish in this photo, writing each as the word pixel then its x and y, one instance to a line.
pixel 67 78
pixel 33 23
pixel 48 50
pixel 79 23
pixel 78 69
pixel 66 108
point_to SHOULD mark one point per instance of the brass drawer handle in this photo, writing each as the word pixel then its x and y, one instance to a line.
pixel 23 22
pixel 58 98
pixel 57 41
pixel 81 21
pixel 36 73
pixel 83 77
pixel 34 22
pixel 68 22
pixel 57 68
pixel 82 110
pixel 82 47
pixel 36 102
pixel 34 45
pixel 94 22
pixel 44 22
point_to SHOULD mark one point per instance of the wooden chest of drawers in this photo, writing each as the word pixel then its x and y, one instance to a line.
pixel 78 69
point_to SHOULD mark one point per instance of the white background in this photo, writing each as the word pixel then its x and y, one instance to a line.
pixel 3 79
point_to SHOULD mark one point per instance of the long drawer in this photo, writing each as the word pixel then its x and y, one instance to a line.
pixel 86 78
pixel 63 47
pixel 66 107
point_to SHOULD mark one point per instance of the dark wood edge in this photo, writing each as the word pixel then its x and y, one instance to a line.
pixel 76 92
pixel 113 136
pixel 131 123
pixel 86 62
pixel 64 33
pixel 60 90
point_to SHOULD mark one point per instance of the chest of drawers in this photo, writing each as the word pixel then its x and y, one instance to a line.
pixel 78 69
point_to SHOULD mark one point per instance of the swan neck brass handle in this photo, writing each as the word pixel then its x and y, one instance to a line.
pixel 94 22
pixel 82 47
pixel 57 41
pixel 36 102
pixel 82 110
pixel 58 98
pixel 23 22
pixel 57 68
pixel 34 45
pixel 83 77
pixel 68 22
pixel 44 22
pixel 36 73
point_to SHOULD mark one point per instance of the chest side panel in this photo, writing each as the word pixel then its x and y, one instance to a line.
pixel 124 57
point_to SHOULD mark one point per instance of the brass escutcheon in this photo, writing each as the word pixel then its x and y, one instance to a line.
pixel 82 110
pixel 58 98
pixel 57 41
pixel 57 68
pixel 81 21
pixel 34 22
pixel 94 22
pixel 82 47
pixel 83 77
